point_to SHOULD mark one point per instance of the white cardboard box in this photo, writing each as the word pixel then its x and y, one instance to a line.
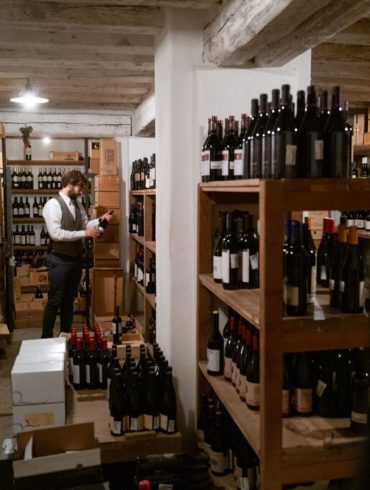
pixel 56 344
pixel 38 382
pixel 31 417
pixel 46 356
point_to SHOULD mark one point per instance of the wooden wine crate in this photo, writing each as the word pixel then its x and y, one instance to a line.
pixel 106 251
pixel 108 157
pixel 111 234
pixel 107 183
pixel 107 290
pixel 99 210
pixel 64 155
pixel 107 199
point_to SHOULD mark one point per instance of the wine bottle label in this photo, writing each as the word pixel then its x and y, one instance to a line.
pixel 290 154
pixel 205 168
pixel 312 286
pixel 217 460
pixel 200 439
pixel 367 225
pixel 216 165
pixel 238 163
pixel 136 423
pixel 21 211
pixel 88 373
pixel 359 418
pixel 360 223
pixel 76 374
pixel 213 360
pixel 245 266
pixel 23 239
pixel 147 183
pixel 253 259
pixel 164 422
pixel 291 295
pixel 234 262
pixel 361 296
pixel 253 394
pixel 100 372
pixel 323 274
pixel 243 483
pixel 147 278
pixel 286 402
pixel 32 240
pixel 319 149
pixel 226 266
pixel 331 284
pixel 303 400
pixel 320 388
pixel 135 271
pixel 342 286
pixel 225 163
pixel 152 174
pixel 350 222
pixel 242 386
pixel 116 328
pixel 227 368
pixel 217 267
pixel 171 426
pixel 15 211
pixel 115 426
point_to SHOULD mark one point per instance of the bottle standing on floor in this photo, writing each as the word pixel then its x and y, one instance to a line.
pixel 151 411
pixel 215 348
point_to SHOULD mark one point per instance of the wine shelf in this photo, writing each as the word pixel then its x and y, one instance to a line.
pixel 143 192
pixel 151 299
pixel 28 220
pixel 27 163
pixel 362 150
pixel 137 238
pixel 309 443
pixel 364 234
pixel 30 247
pixel 139 286
pixel 35 192
pixel 151 246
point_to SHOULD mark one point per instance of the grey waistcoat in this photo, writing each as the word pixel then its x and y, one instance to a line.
pixel 73 249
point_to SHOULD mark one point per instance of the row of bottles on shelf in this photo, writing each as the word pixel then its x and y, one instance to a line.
pixel 221 440
pixel 22 208
pixel 136 218
pixel 142 394
pixel 236 251
pixel 359 218
pixel 363 171
pixel 337 266
pixel 35 258
pixel 143 174
pixel 146 278
pixel 275 142
pixel 26 236
pixel 47 178
pixel 328 383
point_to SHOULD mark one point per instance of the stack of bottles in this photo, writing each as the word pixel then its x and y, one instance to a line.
pixel 338 267
pixel 143 174
pixel 141 395
pixel 227 450
pixel 276 141
pixel 136 218
pixel 235 252
pixel 22 178
pixel 359 218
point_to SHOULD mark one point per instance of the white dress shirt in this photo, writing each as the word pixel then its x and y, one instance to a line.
pixel 52 214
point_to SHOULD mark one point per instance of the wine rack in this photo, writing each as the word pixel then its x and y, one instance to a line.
pixel 143 317
pixel 295 449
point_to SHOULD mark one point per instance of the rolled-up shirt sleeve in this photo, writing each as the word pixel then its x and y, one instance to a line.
pixel 52 214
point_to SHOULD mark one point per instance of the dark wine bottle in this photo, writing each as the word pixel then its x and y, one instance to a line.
pixel 353 283
pixel 103 361
pixel 229 145
pixel 239 163
pixel 336 158
pixel 248 245
pixel 91 366
pixel 79 377
pixel 168 408
pixel 228 370
pixel 230 264
pixel 284 140
pixel 256 139
pixel 301 105
pixel 325 386
pixel 117 327
pixel 323 109
pixel 201 422
pixel 135 407
pixel 151 398
pixel 217 456
pixel 248 136
pixel 295 273
pixel 244 363
pixel 253 377
pixel 235 352
pixel 344 376
pixel 117 416
pixel 310 248
pixel 303 392
pixel 211 164
pixel 324 253
pixel 215 348
pixel 103 223
pixel 208 428
pixel 114 363
pixel 360 396
pixel 217 249
pixel 266 157
pixel 336 270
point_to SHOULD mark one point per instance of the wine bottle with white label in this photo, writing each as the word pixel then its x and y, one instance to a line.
pixel 325 385
pixel 134 402
pixel 255 167
pixel 168 408
pixel 239 162
pixel 336 270
pixel 230 263
pixel 151 399
pixel 248 245
pixel 211 165
pixel 324 253
pixel 229 144
pixel 303 385
pixel 353 283
pixel 228 349
pixel 205 163
pixel 215 348
pixel 248 137
pixel 309 246
pixel 217 249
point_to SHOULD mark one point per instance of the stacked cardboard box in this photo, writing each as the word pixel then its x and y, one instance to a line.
pixel 38 384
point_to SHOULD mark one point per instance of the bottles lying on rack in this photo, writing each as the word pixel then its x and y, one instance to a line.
pixel 143 174
pixel 235 252
pixel 141 394
pixel 221 440
pixel 139 274
pixel 276 143
pixel 136 218
pixel 359 218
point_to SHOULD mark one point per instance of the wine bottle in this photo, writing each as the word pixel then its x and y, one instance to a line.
pixel 239 357
pixel 311 141
pixel 295 273
pixel 168 406
pixel 229 350
pixel 323 109
pixel 344 377
pixel 211 163
pixel 303 392
pixel 15 208
pixel 239 163
pixel 27 212
pixel 117 327
pixel 91 366
pixel 248 246
pixel 301 97
pixel 201 422
pixel 215 348
pixel 79 377
pixel 103 223
pixel 71 352
pixel 256 139
pixel 336 158
pixel 118 417
pixel 253 377
pixel 325 386
pixel 236 348
pixel 248 136
pixel 230 264
pixel 208 428
pixel 134 402
pixel 113 364
pixel 284 140
pixel 360 396
pixel 226 332
pixel 230 143
pixel 217 249
pixel 266 157
pixel 244 363
pixel 21 207
pixel 310 248
pixel 324 252
pixel 337 263
pixel 353 284
pixel 103 361
pixel 217 456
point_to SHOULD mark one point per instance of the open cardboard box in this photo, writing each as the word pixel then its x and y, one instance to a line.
pixel 49 457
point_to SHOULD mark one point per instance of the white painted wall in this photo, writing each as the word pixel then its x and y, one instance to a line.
pixel 187 93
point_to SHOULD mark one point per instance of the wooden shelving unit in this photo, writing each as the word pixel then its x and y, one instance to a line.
pixel 56 163
pixel 295 449
pixel 27 220
pixel 34 192
pixel 149 300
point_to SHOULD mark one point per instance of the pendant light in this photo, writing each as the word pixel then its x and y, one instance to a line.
pixel 28 97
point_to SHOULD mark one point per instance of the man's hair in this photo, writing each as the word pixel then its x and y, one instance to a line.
pixel 74 177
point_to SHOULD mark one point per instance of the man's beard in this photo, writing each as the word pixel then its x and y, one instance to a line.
pixel 72 195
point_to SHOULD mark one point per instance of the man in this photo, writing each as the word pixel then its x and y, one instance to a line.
pixel 67 223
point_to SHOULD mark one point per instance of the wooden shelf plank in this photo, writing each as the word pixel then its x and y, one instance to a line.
pixel 35 192
pixel 308 442
pixel 245 185
pixel 361 150
pixel 30 247
pixel 151 300
pixel 150 246
pixel 244 301
pixel 28 163
pixel 143 192
pixel 28 220
pixel 137 238
pixel 139 286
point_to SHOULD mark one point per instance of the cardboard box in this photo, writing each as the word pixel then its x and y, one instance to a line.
pixel 94 166
pixel 56 344
pixel 64 156
pixel 108 183
pixel 23 270
pixel 135 349
pixel 111 234
pixel 111 264
pixel 38 382
pixel 366 139
pixel 98 211
pixel 107 199
pixel 107 291
pixel 24 281
pixel 31 417
pixel 70 453
pixel 107 251
pixel 318 219
pixel 17 289
pixel 38 278
pixel 108 157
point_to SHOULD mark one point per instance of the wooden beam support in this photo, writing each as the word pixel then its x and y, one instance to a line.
pixel 257 33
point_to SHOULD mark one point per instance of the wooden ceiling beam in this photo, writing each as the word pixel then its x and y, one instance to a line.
pixel 187 4
pixel 113 76
pixel 258 33
pixel 100 66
